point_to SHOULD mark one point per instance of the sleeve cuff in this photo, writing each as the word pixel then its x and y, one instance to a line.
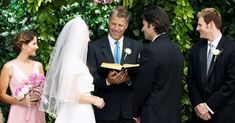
pixel 129 83
pixel 107 83
pixel 209 108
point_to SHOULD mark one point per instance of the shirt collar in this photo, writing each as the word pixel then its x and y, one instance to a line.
pixel 157 36
pixel 112 41
pixel 216 41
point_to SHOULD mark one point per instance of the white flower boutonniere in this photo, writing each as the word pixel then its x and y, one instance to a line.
pixel 127 52
pixel 216 53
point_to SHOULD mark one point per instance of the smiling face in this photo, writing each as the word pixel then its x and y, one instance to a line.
pixel 203 28
pixel 31 47
pixel 117 26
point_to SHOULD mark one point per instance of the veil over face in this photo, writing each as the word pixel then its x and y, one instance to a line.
pixel 68 60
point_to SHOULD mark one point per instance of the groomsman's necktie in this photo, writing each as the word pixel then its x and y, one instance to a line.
pixel 117 53
pixel 209 57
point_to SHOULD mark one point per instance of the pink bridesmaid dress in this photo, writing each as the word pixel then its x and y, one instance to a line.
pixel 18 113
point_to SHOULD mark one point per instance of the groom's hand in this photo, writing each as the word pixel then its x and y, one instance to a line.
pixel 137 119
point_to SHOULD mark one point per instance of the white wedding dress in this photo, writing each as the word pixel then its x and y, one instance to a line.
pixel 75 113
pixel 68 76
pixel 71 112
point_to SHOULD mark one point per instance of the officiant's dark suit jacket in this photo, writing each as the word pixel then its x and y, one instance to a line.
pixel 118 98
pixel 217 89
pixel 158 85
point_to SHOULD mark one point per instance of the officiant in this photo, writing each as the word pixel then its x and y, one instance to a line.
pixel 116 87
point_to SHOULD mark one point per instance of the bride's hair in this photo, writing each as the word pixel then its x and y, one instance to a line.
pixel 67 60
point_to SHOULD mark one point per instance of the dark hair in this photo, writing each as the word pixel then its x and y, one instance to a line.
pixel 156 16
pixel 211 14
pixel 23 38
pixel 120 12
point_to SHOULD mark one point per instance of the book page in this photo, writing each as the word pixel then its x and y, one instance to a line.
pixel 111 66
pixel 130 65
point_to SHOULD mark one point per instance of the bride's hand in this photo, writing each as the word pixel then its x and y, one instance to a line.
pixel 98 102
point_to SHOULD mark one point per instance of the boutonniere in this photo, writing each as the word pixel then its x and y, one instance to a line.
pixel 127 52
pixel 216 53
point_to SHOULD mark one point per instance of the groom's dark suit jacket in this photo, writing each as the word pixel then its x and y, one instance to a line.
pixel 217 89
pixel 158 85
pixel 118 98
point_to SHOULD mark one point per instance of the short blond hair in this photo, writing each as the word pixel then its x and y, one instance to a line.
pixel 120 12
pixel 211 14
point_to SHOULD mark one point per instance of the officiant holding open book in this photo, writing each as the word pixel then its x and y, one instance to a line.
pixel 115 87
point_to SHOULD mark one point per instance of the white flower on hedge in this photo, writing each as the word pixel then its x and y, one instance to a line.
pixel 127 52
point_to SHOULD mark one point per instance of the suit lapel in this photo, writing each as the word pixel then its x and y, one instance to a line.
pixel 203 58
pixel 107 50
pixel 126 44
pixel 213 61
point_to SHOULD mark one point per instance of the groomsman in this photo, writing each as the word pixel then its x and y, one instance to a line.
pixel 211 73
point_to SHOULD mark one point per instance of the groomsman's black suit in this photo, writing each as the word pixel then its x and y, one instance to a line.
pixel 158 85
pixel 217 89
pixel 118 98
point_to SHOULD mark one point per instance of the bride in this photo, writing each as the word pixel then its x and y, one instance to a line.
pixel 66 94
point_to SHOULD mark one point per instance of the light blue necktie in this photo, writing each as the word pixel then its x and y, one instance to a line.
pixel 209 57
pixel 117 53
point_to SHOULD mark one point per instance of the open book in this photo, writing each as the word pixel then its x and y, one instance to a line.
pixel 106 67
pixel 119 67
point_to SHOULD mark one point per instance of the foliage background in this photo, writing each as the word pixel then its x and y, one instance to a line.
pixel 47 18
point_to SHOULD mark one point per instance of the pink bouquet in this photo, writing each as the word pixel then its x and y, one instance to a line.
pixel 32 87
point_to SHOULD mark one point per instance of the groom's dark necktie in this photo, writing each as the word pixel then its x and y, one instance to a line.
pixel 209 56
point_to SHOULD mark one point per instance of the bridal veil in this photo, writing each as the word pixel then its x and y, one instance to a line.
pixel 67 60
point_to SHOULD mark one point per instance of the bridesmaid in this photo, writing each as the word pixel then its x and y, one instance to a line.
pixel 14 74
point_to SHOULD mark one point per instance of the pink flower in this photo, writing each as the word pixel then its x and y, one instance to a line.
pixel 33 87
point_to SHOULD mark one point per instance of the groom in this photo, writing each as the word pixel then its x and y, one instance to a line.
pixel 116 87
pixel 158 86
